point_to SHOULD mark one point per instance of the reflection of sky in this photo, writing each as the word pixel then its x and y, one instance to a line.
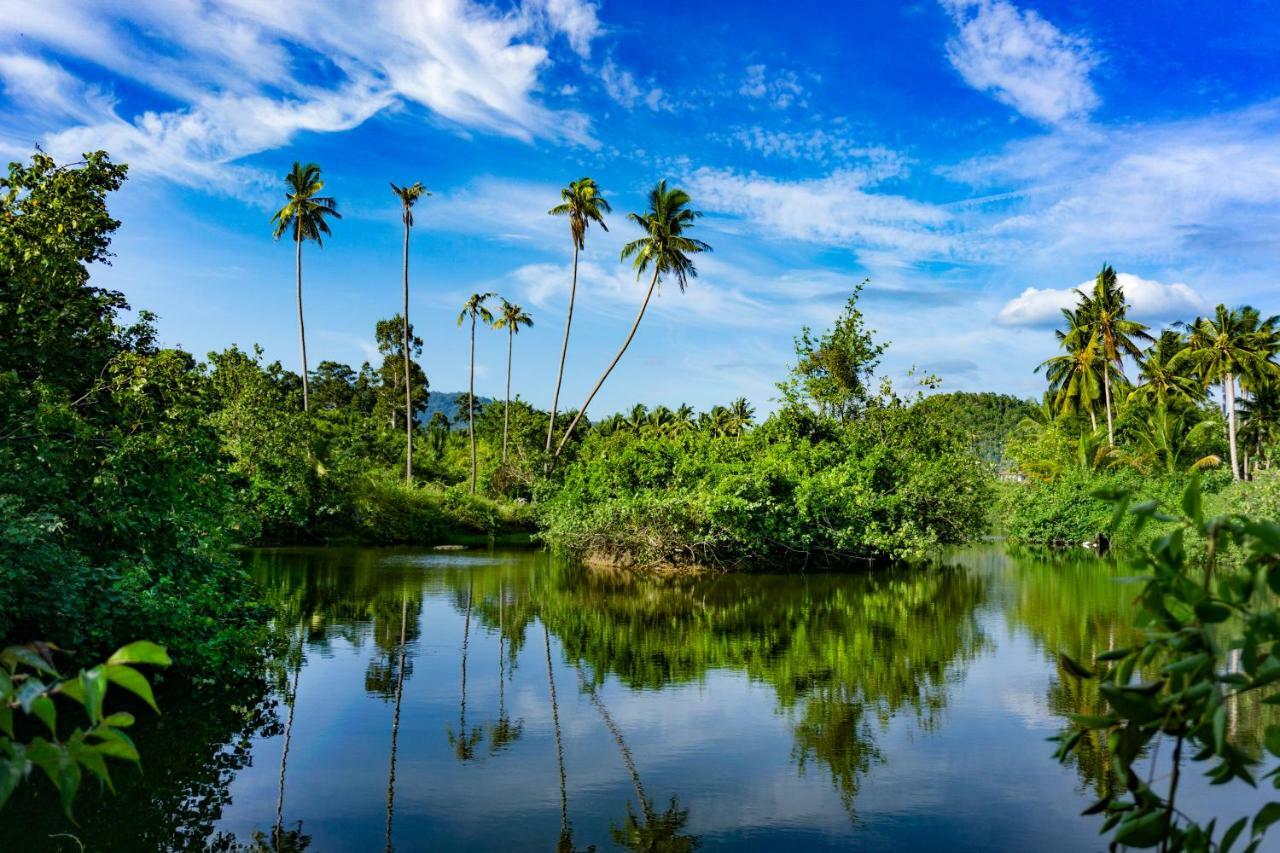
pixel 984 779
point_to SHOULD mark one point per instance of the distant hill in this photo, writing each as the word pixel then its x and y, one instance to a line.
pixel 447 402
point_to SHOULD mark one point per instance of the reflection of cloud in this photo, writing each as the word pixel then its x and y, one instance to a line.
pixel 1149 300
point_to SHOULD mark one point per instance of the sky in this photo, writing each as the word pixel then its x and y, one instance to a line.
pixel 975 159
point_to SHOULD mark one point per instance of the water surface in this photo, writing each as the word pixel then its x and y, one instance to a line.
pixel 500 700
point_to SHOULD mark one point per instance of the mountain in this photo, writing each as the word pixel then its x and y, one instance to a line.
pixel 447 402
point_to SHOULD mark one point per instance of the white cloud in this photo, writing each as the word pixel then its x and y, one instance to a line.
pixel 1148 300
pixel 621 85
pixel 234 69
pixel 1022 59
pixel 781 89
pixel 822 146
pixel 834 210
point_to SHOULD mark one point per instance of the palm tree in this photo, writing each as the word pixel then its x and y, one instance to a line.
pixel 1261 426
pixel 304 214
pixel 1104 313
pixel 1075 378
pixel 1221 349
pixel 741 415
pixel 474 308
pixel 1159 384
pixel 510 317
pixel 664 247
pixel 1172 440
pixel 408 198
pixel 582 203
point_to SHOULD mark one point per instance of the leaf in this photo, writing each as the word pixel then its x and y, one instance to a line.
pixel 43 709
pixel 133 681
pixel 10 775
pixel 1212 613
pixel 1266 816
pixel 1272 740
pixel 28 692
pixel 28 657
pixel 1144 830
pixel 94 682
pixel 143 651
pixel 1232 833
pixel 1220 728
pixel 1074 668
pixel 1132 705
pixel 1191 500
pixel 1114 654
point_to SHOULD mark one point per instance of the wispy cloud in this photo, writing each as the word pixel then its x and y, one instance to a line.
pixel 1022 59
pixel 779 89
pixel 247 77
pixel 821 145
pixel 623 87
pixel 1151 301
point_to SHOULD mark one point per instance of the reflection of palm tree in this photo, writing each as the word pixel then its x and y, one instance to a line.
pixel 395 718
pixel 503 732
pixel 565 843
pixel 464 743
pixel 284 751
pixel 657 832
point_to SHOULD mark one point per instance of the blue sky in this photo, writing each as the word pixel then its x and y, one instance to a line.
pixel 975 160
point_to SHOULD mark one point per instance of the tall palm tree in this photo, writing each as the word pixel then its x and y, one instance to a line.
pixel 666 248
pixel 304 215
pixel 1223 348
pixel 1104 311
pixel 408 196
pixel 510 317
pixel 474 308
pixel 1075 377
pixel 582 203
pixel 1261 424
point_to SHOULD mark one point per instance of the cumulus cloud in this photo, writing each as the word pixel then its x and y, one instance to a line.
pixel 247 77
pixel 1149 301
pixel 1022 59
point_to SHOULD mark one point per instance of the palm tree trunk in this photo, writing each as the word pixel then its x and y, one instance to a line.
pixel 627 758
pixel 555 725
pixel 1093 419
pixel 1106 387
pixel 284 751
pixel 302 328
pixel 636 325
pixel 1230 385
pixel 506 406
pixel 471 404
pixel 395 720
pixel 564 348
pixel 408 382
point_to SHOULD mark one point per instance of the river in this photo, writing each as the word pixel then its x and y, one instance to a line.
pixel 427 700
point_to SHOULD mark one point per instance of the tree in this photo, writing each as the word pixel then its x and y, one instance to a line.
pixel 408 197
pixel 510 317
pixel 305 216
pixel 666 248
pixel 1261 423
pixel 1104 313
pixel 1159 384
pixel 833 372
pixel 1075 378
pixel 1221 349
pixel 474 308
pixel 390 395
pixel 582 203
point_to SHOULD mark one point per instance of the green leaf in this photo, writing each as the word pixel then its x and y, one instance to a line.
pixel 1115 654
pixel 143 651
pixel 1191 500
pixel 1232 833
pixel 1143 830
pixel 116 744
pixel 1220 728
pixel 10 775
pixel 43 709
pixel 1074 668
pixel 1212 613
pixel 133 681
pixel 28 657
pixel 1266 816
pixel 94 682
pixel 1135 706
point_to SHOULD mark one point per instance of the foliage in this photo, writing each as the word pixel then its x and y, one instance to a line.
pixel 1173 684
pixel 987 418
pixel 30 687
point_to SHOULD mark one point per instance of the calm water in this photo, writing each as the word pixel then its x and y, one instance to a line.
pixel 532 704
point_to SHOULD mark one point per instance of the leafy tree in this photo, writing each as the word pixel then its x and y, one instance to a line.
pixel 832 372
pixel 305 216
pixel 582 202
pixel 1075 377
pixel 474 308
pixel 390 393
pixel 666 248
pixel 408 197
pixel 333 386
pixel 510 317
pixel 1159 382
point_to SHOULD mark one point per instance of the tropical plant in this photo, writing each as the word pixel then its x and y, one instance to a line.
pixel 1075 377
pixel 582 203
pixel 474 308
pixel 1221 349
pixel 30 686
pixel 408 196
pixel 1104 318
pixel 510 317
pixel 665 247
pixel 1171 441
pixel 1173 684
pixel 1159 384
pixel 833 371
pixel 1260 428
pixel 305 216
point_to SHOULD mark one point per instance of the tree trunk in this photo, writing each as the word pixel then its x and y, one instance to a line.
pixel 284 751
pixel 395 719
pixel 564 348
pixel 1229 385
pixel 506 406
pixel 1106 387
pixel 555 725
pixel 636 325
pixel 408 380
pixel 302 328
pixel 1093 419
pixel 471 403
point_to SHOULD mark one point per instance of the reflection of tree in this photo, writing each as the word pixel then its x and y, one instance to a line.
pixel 395 719
pixel 465 741
pixel 503 732
pixel 565 842
pixel 290 699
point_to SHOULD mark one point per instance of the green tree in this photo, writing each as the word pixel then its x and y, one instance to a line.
pixel 391 393
pixel 1075 377
pixel 510 317
pixel 582 203
pixel 408 196
pixel 1105 314
pixel 305 216
pixel 474 308
pixel 1159 383
pixel 666 247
